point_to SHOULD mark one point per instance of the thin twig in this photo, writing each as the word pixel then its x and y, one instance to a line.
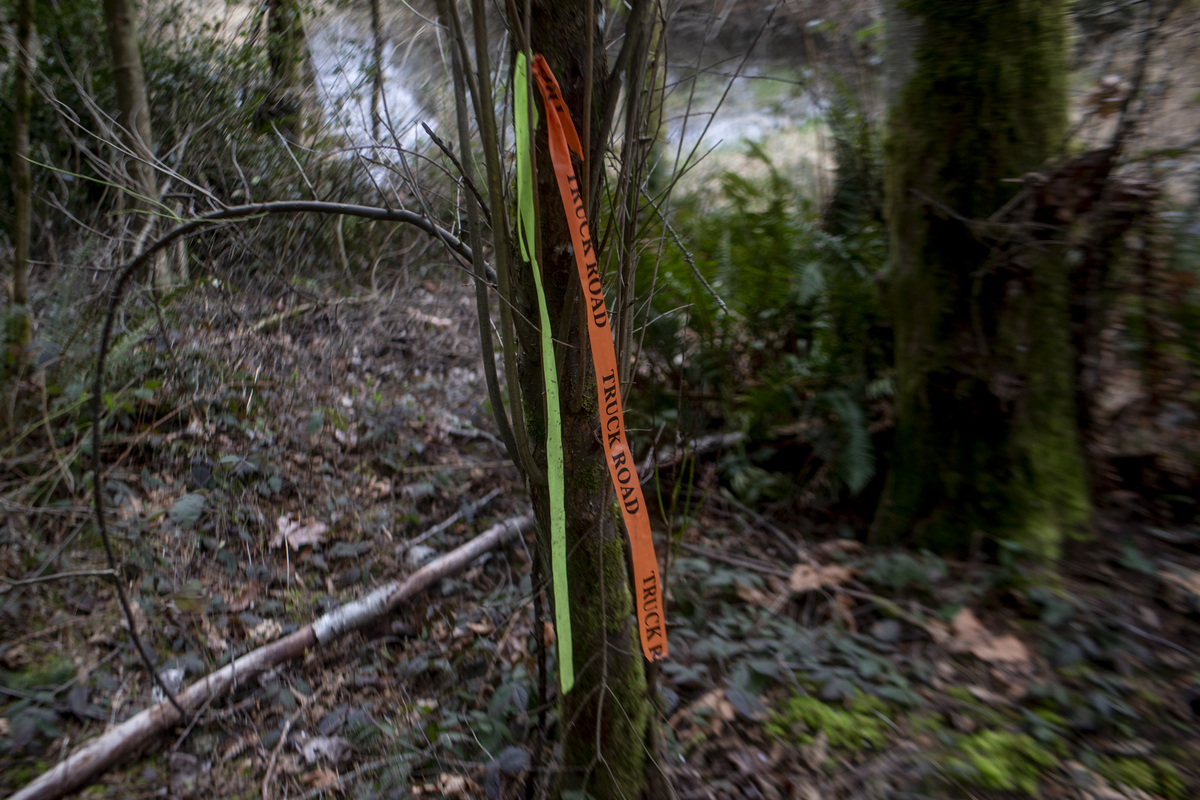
pixel 446 151
pixel 453 518
pixel 287 728
pixel 687 255
pixel 87 573
pixel 737 561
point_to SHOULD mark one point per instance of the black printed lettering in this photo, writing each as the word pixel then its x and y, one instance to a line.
pixel 599 312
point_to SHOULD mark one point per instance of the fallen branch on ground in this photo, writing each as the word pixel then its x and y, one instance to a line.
pixel 102 753
pixel 670 455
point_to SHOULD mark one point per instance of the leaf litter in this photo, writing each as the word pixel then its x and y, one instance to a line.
pixel 445 694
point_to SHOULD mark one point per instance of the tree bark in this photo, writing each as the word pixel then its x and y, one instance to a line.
pixel 376 69
pixel 20 326
pixel 986 435
pixel 133 107
pixel 286 56
pixel 607 715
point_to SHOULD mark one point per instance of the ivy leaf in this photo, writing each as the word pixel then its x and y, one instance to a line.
pixel 513 759
pixel 746 704
pixel 187 510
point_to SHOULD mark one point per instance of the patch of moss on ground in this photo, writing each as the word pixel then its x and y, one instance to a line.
pixel 1156 776
pixel 972 708
pixel 51 673
pixel 855 728
pixel 925 723
pixel 1001 760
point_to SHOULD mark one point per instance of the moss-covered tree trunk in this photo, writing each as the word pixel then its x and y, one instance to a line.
pixel 986 433
pixel 286 54
pixel 606 715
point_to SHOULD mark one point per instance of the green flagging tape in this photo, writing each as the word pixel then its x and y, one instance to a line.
pixel 554 447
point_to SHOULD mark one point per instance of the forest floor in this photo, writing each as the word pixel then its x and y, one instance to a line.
pixel 286 458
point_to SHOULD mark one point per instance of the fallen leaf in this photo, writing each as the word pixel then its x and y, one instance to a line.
pixel 212 638
pixel 297 535
pixel 1181 588
pixel 245 598
pixel 1007 649
pixel 452 784
pixel 712 704
pixel 323 778
pixel 139 618
pixel 971 637
pixel 266 631
pixel 808 578
pixel 333 749
pixel 749 594
pixel 967 627
pixel 993 699
pixel 15 657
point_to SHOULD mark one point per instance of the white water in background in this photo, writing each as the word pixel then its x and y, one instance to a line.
pixel 340 50
pixel 768 103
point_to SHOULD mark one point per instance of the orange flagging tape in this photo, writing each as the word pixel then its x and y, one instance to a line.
pixel 563 140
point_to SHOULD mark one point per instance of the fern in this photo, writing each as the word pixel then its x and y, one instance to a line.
pixel 855 456
pixel 803 341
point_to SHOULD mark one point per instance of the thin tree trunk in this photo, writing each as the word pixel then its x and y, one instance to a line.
pixel 133 107
pixel 606 716
pixel 17 332
pixel 376 69
pixel 986 434
pixel 20 330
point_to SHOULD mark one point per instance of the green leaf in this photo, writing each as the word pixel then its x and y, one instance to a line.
pixel 513 759
pixel 187 510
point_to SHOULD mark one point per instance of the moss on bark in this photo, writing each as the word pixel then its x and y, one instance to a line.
pixel 607 714
pixel 286 56
pixel 986 435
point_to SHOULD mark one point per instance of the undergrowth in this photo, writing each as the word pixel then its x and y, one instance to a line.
pixel 790 337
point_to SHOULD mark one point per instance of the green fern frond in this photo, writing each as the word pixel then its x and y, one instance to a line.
pixel 856 456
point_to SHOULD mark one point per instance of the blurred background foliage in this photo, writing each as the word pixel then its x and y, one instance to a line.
pixel 791 346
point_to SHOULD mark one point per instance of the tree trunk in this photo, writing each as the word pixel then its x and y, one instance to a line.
pixel 607 714
pixel 18 335
pixel 286 55
pixel 17 331
pixel 133 107
pixel 376 69
pixel 986 433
